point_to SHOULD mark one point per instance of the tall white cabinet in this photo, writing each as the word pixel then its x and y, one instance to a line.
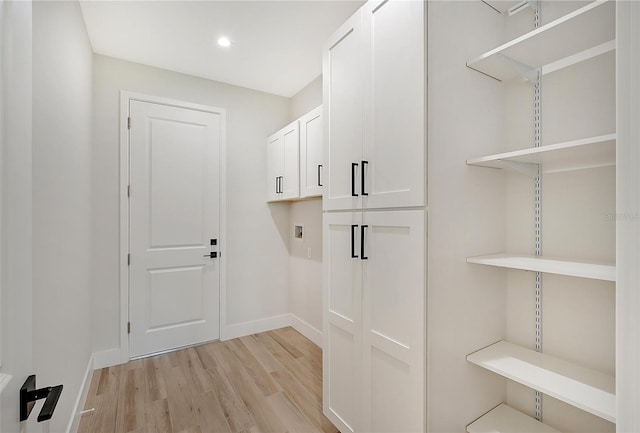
pixel 374 222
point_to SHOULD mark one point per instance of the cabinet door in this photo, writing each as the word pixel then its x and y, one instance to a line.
pixel 394 103
pixel 342 324
pixel 275 165
pixel 311 154
pixel 342 87
pixel 290 184
pixel 393 318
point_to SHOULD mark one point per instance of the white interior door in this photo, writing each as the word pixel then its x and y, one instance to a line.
pixel 394 101
pixel 174 215
pixel 342 88
pixel 393 318
pixel 342 329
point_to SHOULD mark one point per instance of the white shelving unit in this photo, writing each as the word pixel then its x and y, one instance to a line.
pixel 594 23
pixel 589 152
pixel 505 419
pixel 581 387
pixel 596 271
pixel 576 37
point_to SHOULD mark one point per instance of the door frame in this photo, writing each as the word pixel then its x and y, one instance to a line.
pixel 125 98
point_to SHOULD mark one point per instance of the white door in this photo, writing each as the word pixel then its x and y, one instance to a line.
pixel 174 216
pixel 342 88
pixel 342 320
pixel 275 166
pixel 290 183
pixel 311 153
pixel 393 318
pixel 394 103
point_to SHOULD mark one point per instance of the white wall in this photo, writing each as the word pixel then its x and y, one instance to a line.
pixel 258 235
pixel 466 303
pixel 62 240
pixel 306 99
pixel 16 183
pixel 305 260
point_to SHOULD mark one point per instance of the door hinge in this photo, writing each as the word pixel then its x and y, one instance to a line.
pixel 128 190
pixel 128 327
pixel 128 122
pixel 128 259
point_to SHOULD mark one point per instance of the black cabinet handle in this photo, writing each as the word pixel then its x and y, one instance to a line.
pixel 277 179
pixel 362 191
pixel 353 179
pixel 362 231
pixel 319 167
pixel 353 241
pixel 281 180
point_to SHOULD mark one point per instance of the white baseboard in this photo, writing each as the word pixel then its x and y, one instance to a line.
pixel 107 358
pixel 74 422
pixel 307 330
pixel 255 326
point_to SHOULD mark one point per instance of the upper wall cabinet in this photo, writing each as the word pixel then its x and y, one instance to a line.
pixel 283 164
pixel 374 107
pixel 311 154
pixel 294 159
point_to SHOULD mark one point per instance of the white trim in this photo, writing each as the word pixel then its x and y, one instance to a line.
pixel 125 98
pixel 74 422
pixel 107 358
pixel 627 217
pixel 256 326
pixel 307 330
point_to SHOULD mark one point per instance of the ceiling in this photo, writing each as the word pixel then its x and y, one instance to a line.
pixel 276 46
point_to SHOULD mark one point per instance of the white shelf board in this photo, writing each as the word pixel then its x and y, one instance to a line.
pixel 580 31
pixel 596 271
pixel 589 152
pixel 505 419
pixel 587 389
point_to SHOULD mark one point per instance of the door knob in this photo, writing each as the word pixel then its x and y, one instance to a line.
pixel 212 255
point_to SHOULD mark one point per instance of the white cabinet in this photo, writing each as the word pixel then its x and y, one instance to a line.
pixel 374 106
pixel 283 164
pixel 342 103
pixel 374 301
pixel 374 315
pixel 311 154
pixel 294 159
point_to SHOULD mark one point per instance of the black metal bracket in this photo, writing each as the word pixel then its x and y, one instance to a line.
pixel 29 394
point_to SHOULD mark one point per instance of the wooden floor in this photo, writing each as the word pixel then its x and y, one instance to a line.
pixel 269 382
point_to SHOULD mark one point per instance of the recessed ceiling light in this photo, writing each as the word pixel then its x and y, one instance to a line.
pixel 224 42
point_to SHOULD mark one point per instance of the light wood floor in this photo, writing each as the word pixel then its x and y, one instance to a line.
pixel 269 382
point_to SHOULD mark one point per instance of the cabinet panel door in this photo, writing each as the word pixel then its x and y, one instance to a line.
pixel 290 187
pixel 394 103
pixel 342 324
pixel 342 87
pixel 311 154
pixel 275 165
pixel 393 319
